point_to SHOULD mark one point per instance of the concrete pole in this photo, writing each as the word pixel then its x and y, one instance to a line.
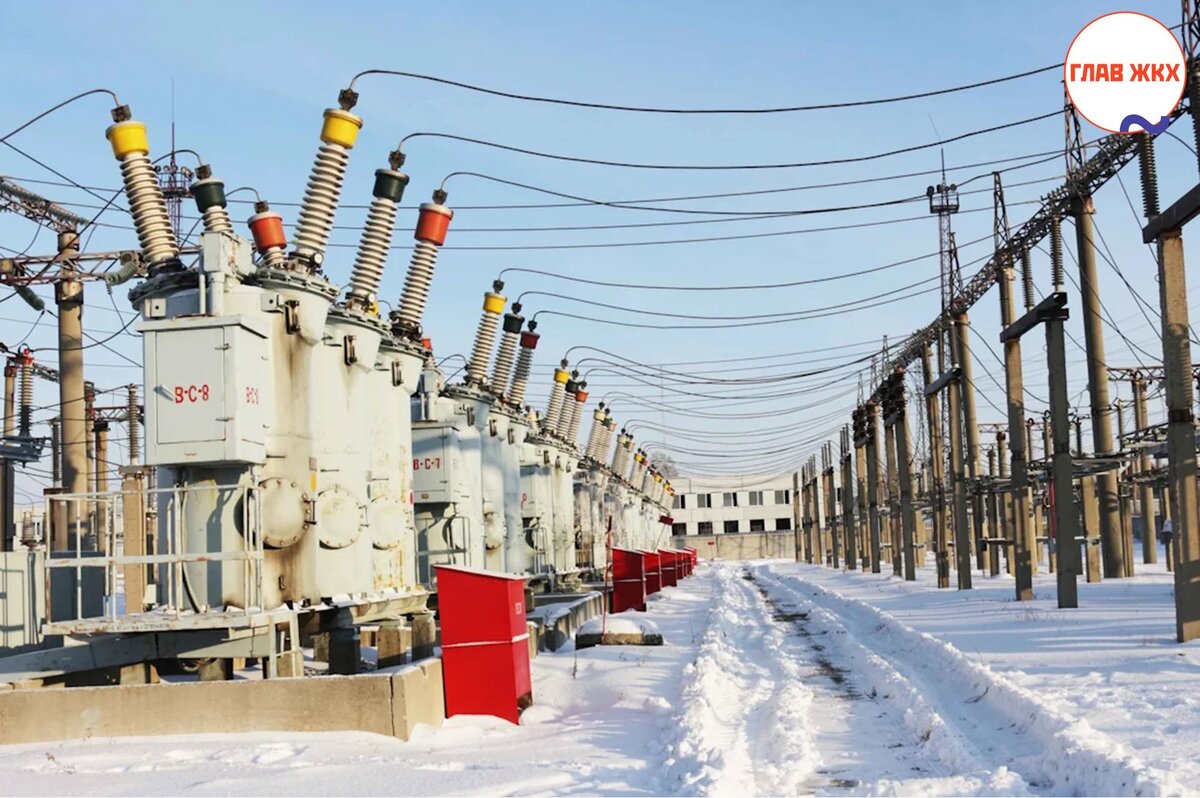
pixel 1125 493
pixel 1004 503
pixel 831 505
pixel 1141 420
pixel 908 519
pixel 821 489
pixel 1181 433
pixel 860 470
pixel 1020 556
pixel 807 509
pixel 1090 513
pixel 1168 513
pixel 805 514
pixel 993 560
pixel 971 430
pixel 1064 518
pixel 873 520
pixel 848 525
pixel 1102 437
pixel 893 490
pixel 101 480
pixel 133 531
pixel 797 521
pixel 68 295
pixel 962 529
pixel 1035 504
pixel 937 477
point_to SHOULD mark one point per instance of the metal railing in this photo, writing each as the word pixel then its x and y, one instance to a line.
pixel 172 554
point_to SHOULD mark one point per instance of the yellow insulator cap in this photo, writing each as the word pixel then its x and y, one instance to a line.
pixel 560 375
pixel 128 137
pixel 494 303
pixel 340 127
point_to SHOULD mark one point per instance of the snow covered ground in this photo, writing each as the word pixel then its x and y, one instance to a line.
pixel 776 678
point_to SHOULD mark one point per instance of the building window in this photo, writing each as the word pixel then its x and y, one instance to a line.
pixel 731 527
pixel 783 497
pixel 757 525
pixel 755 498
pixel 730 500
pixel 704 501
pixel 678 529
pixel 704 528
pixel 679 502
pixel 783 523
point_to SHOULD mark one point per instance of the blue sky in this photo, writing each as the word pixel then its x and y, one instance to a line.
pixel 250 80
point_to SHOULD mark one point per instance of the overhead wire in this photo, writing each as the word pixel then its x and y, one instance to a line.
pixel 704 111
pixel 732 167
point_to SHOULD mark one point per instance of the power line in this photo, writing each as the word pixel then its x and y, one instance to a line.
pixel 732 167
pixel 786 109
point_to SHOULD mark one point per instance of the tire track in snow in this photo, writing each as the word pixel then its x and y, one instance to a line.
pixel 963 706
pixel 745 728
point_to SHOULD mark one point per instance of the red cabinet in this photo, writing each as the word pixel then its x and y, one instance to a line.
pixel 670 574
pixel 629 580
pixel 485 643
pixel 653 573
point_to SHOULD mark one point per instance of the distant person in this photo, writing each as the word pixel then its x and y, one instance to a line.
pixel 1168 530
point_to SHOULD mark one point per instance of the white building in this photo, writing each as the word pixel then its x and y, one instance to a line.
pixel 731 504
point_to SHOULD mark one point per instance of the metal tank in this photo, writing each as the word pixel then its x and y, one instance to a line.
pixel 447 426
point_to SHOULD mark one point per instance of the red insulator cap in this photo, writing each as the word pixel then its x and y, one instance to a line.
pixel 267 229
pixel 529 340
pixel 427 344
pixel 581 396
pixel 433 223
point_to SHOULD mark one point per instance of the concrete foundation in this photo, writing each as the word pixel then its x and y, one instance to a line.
pixel 558 616
pixel 389 704
pixel 618 639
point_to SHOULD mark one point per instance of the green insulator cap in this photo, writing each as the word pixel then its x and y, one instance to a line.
pixel 208 193
pixel 390 184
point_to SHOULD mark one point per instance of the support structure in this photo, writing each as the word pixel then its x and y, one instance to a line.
pixel 68 295
pixel 848 526
pixel 1111 543
pixel 937 476
pixel 871 440
pixel 1141 420
pixel 895 405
